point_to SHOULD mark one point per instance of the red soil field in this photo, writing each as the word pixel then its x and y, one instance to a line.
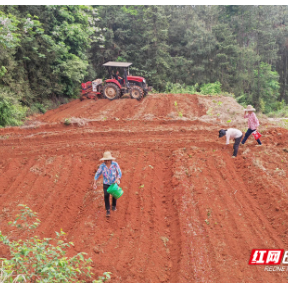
pixel 189 213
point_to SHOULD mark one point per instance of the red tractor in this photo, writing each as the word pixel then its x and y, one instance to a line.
pixel 114 89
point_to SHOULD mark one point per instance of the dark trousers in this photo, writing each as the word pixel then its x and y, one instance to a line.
pixel 107 197
pixel 236 145
pixel 247 134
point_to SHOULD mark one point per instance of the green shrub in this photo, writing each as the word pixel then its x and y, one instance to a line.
pixel 243 99
pixel 11 115
pixel 5 112
pixel 40 107
pixel 275 109
pixel 36 108
pixel 262 105
pixel 281 113
pixel 180 88
pixel 42 260
pixel 211 88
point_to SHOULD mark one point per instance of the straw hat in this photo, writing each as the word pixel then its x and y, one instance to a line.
pixel 107 156
pixel 249 108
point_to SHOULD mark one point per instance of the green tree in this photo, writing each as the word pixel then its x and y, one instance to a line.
pixel 155 50
pixel 268 87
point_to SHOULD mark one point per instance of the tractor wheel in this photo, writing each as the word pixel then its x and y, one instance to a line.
pixel 111 91
pixel 136 92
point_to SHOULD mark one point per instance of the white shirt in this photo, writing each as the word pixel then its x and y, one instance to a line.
pixel 232 133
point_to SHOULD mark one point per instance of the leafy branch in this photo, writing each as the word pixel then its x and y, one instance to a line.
pixel 42 260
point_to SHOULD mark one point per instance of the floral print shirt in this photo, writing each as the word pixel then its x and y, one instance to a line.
pixel 253 122
pixel 109 174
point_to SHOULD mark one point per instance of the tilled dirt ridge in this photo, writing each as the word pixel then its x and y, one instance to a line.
pixel 189 213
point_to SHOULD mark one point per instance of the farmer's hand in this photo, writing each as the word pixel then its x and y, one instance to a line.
pixel 117 181
pixel 95 186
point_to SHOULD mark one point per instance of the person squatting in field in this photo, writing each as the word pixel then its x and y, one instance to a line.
pixel 232 133
pixel 253 123
pixel 111 174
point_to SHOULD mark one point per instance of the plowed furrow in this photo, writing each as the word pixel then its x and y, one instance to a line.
pixel 202 206
pixel 91 110
pixel 159 255
pixel 51 186
pixel 150 106
pixel 192 225
pixel 141 108
pixel 248 193
pixel 125 108
pixel 260 217
pixel 77 207
pixel 49 115
pixel 161 109
pixel 54 203
pixel 96 108
pixel 150 252
pixel 20 183
pixel 10 170
pixel 240 238
pixel 70 200
pixel 268 201
pixel 175 244
pixel 109 111
pixel 77 110
pixel 147 214
pixel 31 193
pixel 74 111
pixel 228 212
pixel 132 226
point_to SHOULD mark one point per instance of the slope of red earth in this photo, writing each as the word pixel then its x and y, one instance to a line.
pixel 189 213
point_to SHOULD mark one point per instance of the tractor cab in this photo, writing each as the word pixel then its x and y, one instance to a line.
pixel 113 67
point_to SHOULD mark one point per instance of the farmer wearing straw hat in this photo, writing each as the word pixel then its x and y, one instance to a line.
pixel 111 174
pixel 253 123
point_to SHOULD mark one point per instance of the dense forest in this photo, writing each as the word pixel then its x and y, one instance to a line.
pixel 47 51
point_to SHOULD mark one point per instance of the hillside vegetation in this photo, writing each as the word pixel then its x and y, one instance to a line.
pixel 47 51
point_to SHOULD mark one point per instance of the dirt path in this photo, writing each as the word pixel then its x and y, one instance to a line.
pixel 189 213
